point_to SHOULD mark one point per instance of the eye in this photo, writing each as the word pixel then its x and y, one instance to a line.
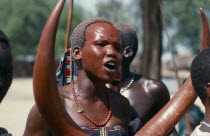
pixel 118 48
pixel 101 44
pixel 208 85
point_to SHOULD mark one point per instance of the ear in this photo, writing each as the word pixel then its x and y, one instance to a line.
pixel 76 53
pixel 207 88
pixel 127 51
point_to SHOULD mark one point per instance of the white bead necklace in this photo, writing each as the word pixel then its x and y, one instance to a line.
pixel 206 124
pixel 129 84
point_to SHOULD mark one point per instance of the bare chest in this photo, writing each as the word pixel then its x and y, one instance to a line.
pixel 92 112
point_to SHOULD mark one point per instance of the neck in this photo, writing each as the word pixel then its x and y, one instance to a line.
pixel 207 114
pixel 126 74
pixel 127 83
pixel 88 87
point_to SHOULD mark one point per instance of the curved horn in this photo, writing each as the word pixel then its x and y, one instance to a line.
pixel 205 31
pixel 44 80
pixel 172 112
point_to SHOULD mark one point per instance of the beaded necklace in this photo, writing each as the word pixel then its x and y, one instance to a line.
pixel 129 84
pixel 79 109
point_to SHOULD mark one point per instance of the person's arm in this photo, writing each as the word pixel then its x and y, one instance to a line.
pixel 44 81
pixel 35 125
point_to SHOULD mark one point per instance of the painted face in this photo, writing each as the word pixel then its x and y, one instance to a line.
pixel 101 54
pixel 5 71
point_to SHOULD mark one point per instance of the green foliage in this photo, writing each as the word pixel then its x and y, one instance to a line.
pixel 118 11
pixel 115 11
pixel 23 21
pixel 184 19
pixel 108 10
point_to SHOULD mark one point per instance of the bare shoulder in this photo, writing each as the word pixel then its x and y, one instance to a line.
pixel 154 87
pixel 35 124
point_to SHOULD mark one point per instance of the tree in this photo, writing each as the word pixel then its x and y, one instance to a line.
pixel 23 21
pixel 115 11
pixel 183 18
pixel 152 39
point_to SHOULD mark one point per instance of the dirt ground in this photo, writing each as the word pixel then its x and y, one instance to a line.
pixel 15 107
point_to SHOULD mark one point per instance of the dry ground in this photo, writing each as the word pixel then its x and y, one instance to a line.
pixel 16 105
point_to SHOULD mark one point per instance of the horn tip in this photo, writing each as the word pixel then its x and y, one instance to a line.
pixel 201 10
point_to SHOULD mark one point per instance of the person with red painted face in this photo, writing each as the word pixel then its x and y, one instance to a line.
pixel 93 107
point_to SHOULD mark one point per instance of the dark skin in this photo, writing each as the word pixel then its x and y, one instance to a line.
pixel 5 69
pixel 101 46
pixel 147 96
pixel 206 103
pixel 145 92
pixel 138 95
pixel 205 43
pixel 164 120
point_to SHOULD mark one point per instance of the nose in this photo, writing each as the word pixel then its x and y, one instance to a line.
pixel 112 52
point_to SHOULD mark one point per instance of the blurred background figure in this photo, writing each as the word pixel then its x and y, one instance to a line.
pixel 5 71
pixel 5 65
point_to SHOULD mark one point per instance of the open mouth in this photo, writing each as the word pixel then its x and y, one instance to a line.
pixel 110 65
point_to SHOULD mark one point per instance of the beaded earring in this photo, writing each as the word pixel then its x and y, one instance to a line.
pixel 74 69
pixel 67 69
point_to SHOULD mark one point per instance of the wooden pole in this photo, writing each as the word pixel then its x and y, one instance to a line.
pixel 69 21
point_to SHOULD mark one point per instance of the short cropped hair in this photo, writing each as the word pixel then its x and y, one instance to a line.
pixel 200 72
pixel 128 37
pixel 79 33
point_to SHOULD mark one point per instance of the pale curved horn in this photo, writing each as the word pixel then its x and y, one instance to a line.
pixel 205 43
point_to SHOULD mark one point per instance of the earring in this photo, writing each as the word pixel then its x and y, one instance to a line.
pixel 61 71
pixel 74 69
